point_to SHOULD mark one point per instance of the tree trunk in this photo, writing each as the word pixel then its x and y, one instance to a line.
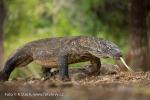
pixel 2 16
pixel 139 46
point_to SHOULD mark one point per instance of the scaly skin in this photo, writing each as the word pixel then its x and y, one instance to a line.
pixel 62 51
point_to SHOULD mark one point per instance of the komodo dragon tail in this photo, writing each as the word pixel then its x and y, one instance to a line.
pixel 19 58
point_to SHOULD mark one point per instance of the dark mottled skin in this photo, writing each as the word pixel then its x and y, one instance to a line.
pixel 54 52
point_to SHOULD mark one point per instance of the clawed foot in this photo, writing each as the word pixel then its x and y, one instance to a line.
pixel 91 70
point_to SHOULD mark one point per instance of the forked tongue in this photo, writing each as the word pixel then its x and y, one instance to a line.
pixel 129 68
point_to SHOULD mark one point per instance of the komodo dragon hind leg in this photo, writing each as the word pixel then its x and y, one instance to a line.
pixel 48 72
pixel 63 68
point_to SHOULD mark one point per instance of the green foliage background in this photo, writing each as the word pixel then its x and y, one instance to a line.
pixel 29 20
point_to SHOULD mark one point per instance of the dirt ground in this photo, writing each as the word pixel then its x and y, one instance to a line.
pixel 109 85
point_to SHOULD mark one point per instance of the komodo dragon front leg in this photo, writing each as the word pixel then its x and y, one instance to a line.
pixel 94 68
pixel 63 68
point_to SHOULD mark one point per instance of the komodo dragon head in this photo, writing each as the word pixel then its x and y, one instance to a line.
pixel 101 48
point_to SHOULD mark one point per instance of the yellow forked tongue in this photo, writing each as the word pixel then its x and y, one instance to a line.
pixel 126 65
